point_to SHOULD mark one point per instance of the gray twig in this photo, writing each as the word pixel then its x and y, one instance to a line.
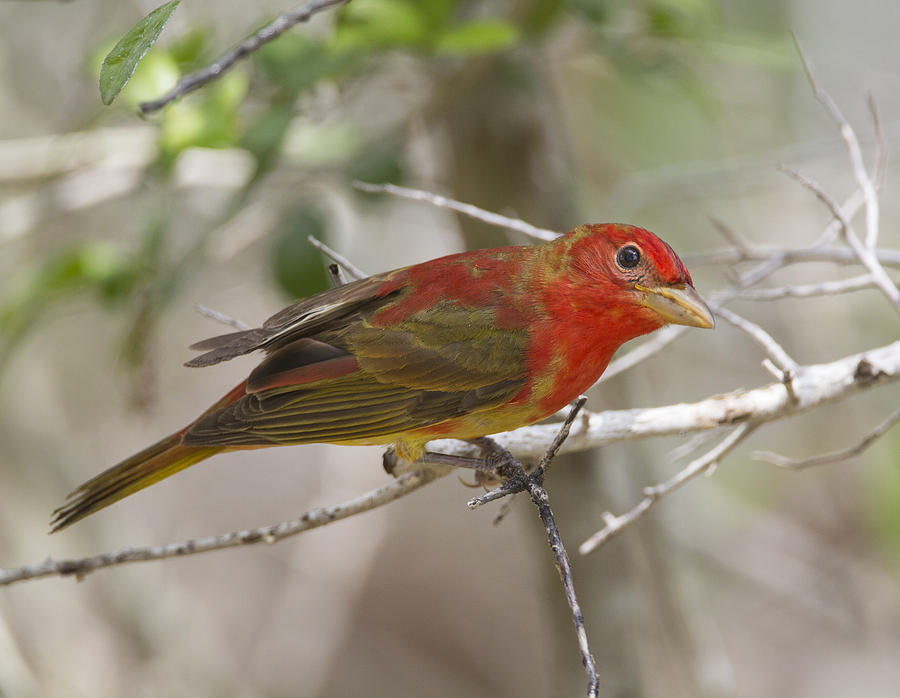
pixel 520 480
pixel 480 214
pixel 271 31
pixel 835 456
pixel 342 261
pixel 791 255
pixel 824 288
pixel 775 351
pixel 269 534
pixel 866 255
pixel 854 151
pixel 652 495
pixel 221 317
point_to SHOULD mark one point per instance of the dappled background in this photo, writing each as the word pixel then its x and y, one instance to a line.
pixel 753 582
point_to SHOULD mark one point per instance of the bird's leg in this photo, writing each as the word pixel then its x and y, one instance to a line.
pixel 494 465
pixel 503 463
pixel 390 460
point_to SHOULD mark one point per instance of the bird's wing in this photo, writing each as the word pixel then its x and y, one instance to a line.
pixel 359 381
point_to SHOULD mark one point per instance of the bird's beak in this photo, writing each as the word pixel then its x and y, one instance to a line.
pixel 680 305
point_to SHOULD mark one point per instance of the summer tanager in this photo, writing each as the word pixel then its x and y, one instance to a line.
pixel 457 347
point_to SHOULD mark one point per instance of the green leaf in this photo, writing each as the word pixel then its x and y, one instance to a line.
pixel 119 64
pixel 478 37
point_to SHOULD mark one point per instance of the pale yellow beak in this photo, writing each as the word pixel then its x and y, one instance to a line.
pixel 680 305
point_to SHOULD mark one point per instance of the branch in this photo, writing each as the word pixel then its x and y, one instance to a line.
pixel 512 487
pixel 814 385
pixel 865 254
pixel 518 480
pixel 825 288
pixel 791 255
pixel 313 518
pixel 852 143
pixel 348 266
pixel 221 317
pixel 652 495
pixel 834 457
pixel 775 351
pixel 199 78
pixel 480 214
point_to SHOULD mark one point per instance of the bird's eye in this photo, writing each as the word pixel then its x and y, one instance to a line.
pixel 628 257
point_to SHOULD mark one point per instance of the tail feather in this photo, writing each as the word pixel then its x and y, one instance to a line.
pixel 151 465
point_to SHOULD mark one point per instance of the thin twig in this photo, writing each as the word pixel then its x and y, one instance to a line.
pixel 563 434
pixel 221 317
pixel 824 288
pixel 657 342
pixel 198 78
pixel 466 209
pixel 533 484
pixel 345 263
pixel 512 486
pixel 865 254
pixel 775 351
pixel 652 495
pixel 791 255
pixel 542 502
pixel 687 447
pixel 313 518
pixel 544 464
pixel 853 203
pixel 852 143
pixel 835 456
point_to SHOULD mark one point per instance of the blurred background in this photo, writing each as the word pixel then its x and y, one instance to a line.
pixel 662 113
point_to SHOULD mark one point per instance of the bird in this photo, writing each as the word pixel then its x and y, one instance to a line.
pixel 461 346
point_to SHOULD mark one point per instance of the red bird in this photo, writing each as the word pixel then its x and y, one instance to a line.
pixel 457 347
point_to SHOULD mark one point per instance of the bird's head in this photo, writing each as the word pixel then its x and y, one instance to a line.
pixel 637 275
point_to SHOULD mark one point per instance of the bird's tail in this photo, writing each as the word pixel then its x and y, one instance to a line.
pixel 151 465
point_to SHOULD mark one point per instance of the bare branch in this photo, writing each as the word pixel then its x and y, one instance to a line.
pixel 659 341
pixel 344 263
pixel 514 486
pixel 466 209
pixel 652 495
pixel 791 255
pixel 834 457
pixel 814 385
pixel 824 288
pixel 199 78
pixel 313 518
pixel 519 480
pixel 780 259
pixel 853 149
pixel 220 317
pixel 561 435
pixel 775 351
pixel 865 254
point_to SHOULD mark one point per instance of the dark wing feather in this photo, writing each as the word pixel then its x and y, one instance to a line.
pixel 304 318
